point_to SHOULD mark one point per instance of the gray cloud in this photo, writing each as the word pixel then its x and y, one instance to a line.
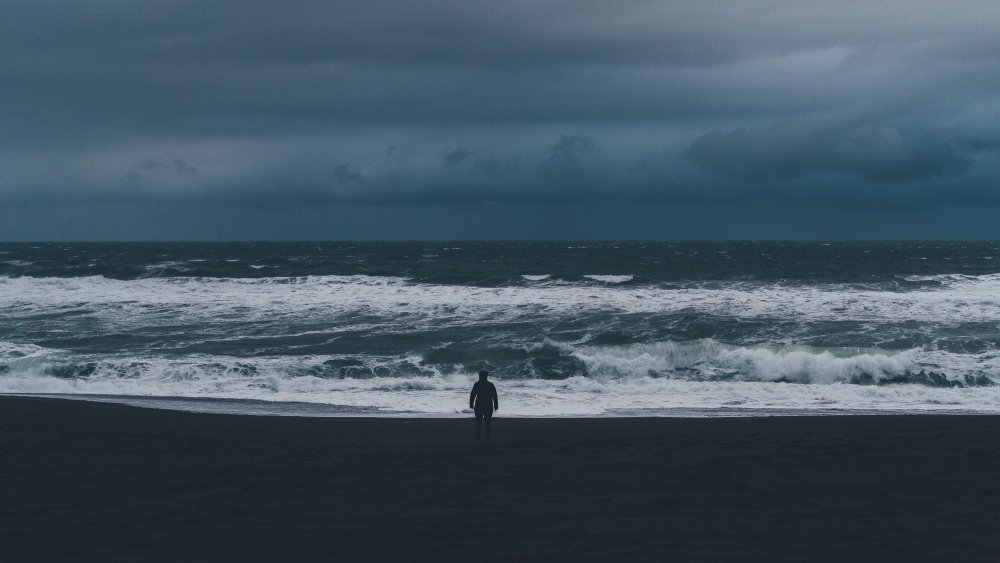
pixel 869 152
pixel 342 174
pixel 270 105
pixel 173 165
pixel 456 157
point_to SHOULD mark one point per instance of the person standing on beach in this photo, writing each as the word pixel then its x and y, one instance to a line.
pixel 484 400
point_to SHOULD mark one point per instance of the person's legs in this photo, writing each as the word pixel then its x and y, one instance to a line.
pixel 479 425
pixel 489 426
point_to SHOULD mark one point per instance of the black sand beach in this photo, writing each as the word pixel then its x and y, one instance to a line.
pixel 99 482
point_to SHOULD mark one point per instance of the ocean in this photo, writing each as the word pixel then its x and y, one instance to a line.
pixel 565 328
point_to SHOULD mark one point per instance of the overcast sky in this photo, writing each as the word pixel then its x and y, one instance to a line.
pixel 142 120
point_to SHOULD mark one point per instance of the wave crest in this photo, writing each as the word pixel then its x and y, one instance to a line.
pixel 610 279
pixel 714 361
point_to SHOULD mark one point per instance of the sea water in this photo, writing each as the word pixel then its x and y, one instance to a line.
pixel 565 328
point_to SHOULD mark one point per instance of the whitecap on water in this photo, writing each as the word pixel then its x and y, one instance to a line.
pixel 609 278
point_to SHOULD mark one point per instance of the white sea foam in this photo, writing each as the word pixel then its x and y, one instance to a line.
pixel 575 396
pixel 539 277
pixel 10 351
pixel 158 269
pixel 975 299
pixel 619 380
pixel 610 279
pixel 984 282
pixel 703 374
pixel 707 359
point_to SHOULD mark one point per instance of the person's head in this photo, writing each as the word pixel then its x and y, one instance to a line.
pixel 482 375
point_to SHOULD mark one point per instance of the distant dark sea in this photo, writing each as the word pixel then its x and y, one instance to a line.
pixel 566 328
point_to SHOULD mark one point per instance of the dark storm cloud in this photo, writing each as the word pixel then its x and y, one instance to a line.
pixel 888 104
pixel 174 164
pixel 456 157
pixel 874 153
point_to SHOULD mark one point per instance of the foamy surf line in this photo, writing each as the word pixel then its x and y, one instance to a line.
pixel 954 299
pixel 248 407
pixel 251 407
pixel 573 397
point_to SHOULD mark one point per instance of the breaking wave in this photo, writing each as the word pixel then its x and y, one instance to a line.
pixel 714 361
pixel 558 344
pixel 610 279
pixel 967 298
pixel 598 380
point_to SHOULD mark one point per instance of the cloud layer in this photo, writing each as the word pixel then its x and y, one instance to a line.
pixel 884 106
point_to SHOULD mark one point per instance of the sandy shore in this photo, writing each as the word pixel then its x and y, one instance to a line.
pixel 99 482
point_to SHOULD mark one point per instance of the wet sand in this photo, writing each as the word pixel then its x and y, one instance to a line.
pixel 100 482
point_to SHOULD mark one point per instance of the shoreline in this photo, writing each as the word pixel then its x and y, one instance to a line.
pixel 100 481
pixel 302 409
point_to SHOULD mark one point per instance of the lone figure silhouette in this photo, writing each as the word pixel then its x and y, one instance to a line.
pixel 484 400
